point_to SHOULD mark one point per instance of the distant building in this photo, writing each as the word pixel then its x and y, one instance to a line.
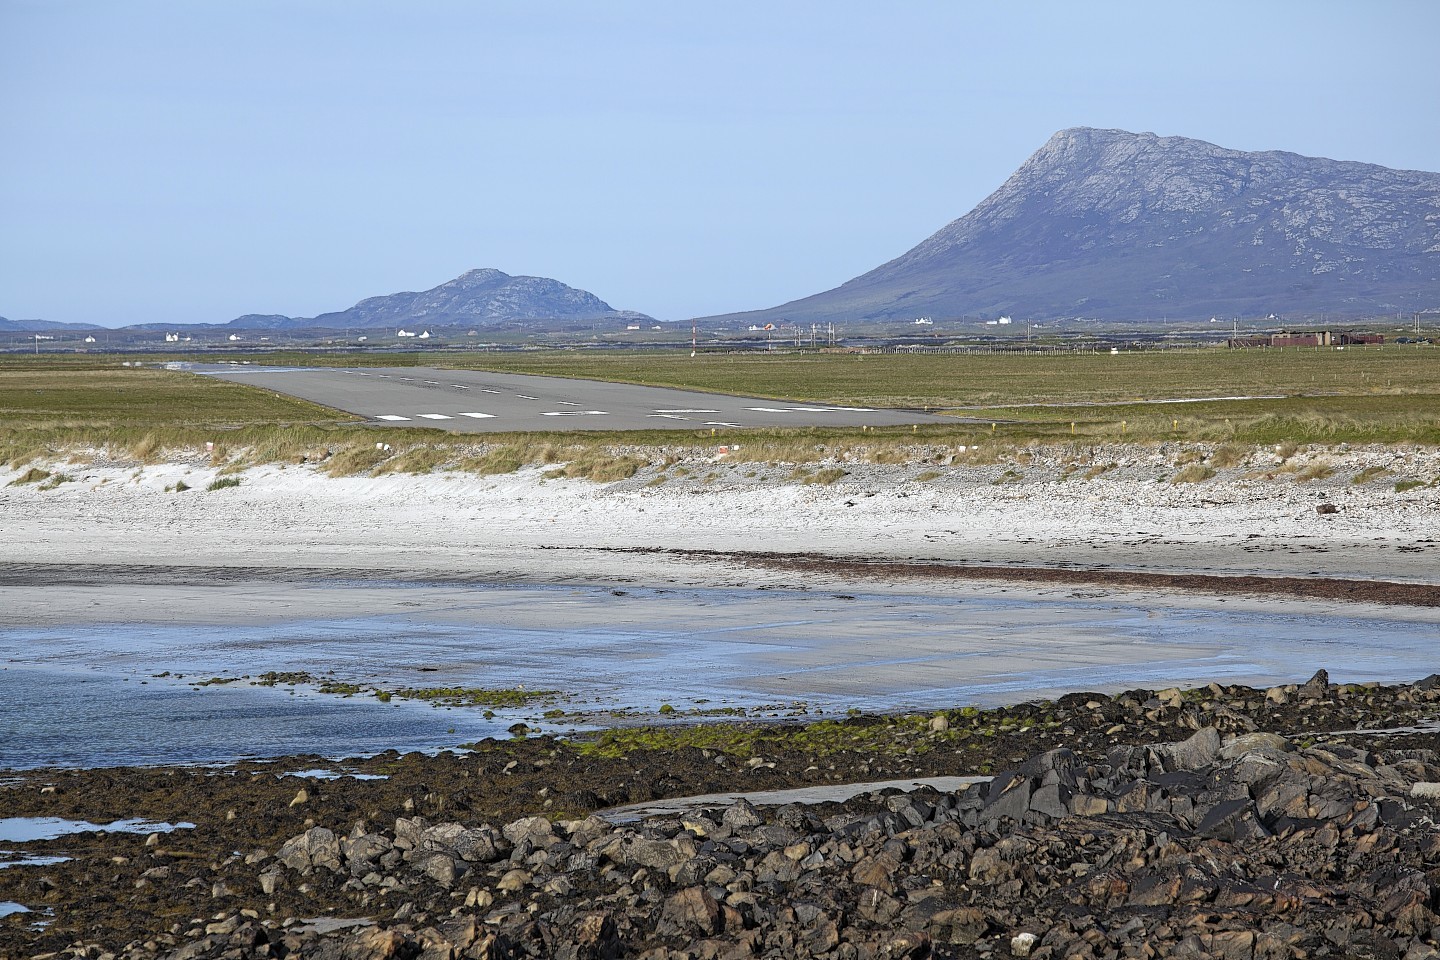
pixel 1312 338
pixel 402 332
pixel 89 339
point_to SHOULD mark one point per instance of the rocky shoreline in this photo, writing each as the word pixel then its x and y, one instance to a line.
pixel 1298 821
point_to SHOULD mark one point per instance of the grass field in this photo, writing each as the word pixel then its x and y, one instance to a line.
pixel 933 380
pixel 1357 395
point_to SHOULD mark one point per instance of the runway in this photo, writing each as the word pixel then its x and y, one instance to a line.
pixel 473 401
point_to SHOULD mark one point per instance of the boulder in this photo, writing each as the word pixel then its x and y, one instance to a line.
pixel 1200 750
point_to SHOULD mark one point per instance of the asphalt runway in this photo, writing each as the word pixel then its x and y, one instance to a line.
pixel 473 401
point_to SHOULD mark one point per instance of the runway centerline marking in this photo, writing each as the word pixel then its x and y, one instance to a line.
pixel 665 416
pixel 523 397
pixel 568 403
pixel 687 411
pixel 574 413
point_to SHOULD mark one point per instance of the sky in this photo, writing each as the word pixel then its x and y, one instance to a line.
pixel 187 162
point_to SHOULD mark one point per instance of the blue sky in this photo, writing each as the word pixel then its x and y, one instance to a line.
pixel 191 161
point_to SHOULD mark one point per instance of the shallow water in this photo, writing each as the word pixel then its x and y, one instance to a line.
pixel 86 694
pixel 8 907
pixel 27 829
pixel 9 858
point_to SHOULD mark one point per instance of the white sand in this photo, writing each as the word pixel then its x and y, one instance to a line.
pixel 1130 517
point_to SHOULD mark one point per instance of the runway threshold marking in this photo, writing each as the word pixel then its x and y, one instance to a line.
pixel 479 416
pixel 665 416
pixel 391 416
pixel 568 403
pixel 523 397
pixel 437 416
pixel 720 423
pixel 574 413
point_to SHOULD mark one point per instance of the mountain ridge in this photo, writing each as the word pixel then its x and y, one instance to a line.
pixel 483 297
pixel 1125 226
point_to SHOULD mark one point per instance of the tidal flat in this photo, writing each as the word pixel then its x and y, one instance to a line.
pixel 193 673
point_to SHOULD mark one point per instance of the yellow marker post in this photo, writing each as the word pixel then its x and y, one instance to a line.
pixel 1072 427
pixel 1122 426
pixel 1174 424
pixel 992 428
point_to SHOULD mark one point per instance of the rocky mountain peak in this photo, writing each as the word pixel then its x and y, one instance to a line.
pixel 1129 226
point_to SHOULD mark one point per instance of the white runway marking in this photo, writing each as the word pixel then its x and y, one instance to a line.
pixel 433 383
pixel 720 423
pixel 574 413
pixel 437 416
pixel 488 390
pixel 810 409
pixel 568 403
pixel 523 397
pixel 459 386
pixel 390 416
pixel 687 411
pixel 665 416
pixel 479 416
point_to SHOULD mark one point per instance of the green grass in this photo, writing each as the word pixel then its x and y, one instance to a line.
pixel 139 398
pixel 222 483
pixel 52 406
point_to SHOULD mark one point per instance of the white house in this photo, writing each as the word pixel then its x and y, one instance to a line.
pixel 402 332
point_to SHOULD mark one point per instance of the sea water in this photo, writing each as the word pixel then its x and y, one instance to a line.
pixel 100 693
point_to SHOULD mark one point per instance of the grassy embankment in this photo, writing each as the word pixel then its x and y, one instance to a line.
pixel 53 408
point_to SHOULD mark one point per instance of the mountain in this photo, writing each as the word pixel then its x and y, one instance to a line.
pixel 479 298
pixel 1132 226
pixel 42 326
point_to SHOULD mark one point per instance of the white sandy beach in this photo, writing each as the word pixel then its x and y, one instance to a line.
pixel 1131 517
